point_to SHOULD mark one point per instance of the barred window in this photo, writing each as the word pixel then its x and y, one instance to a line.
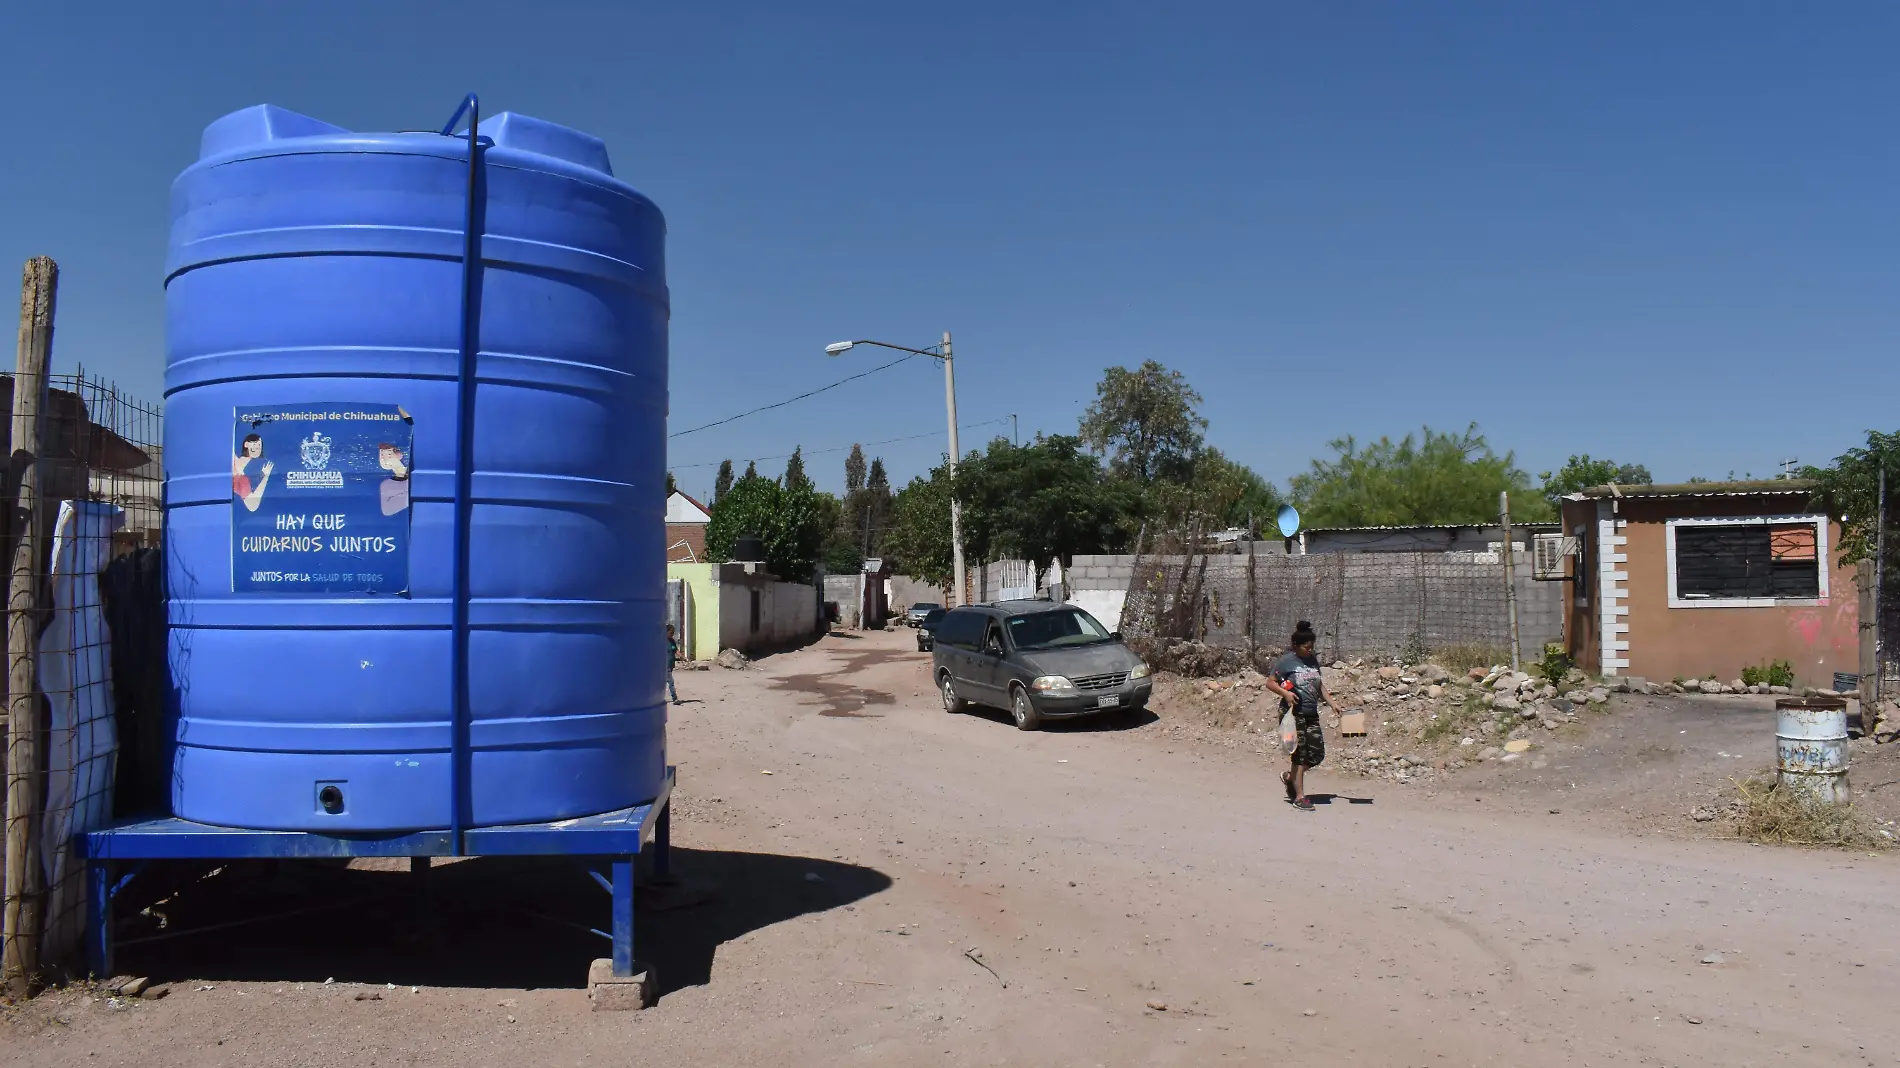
pixel 1749 560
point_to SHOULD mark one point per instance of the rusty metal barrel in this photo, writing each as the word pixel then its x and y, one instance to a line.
pixel 1811 747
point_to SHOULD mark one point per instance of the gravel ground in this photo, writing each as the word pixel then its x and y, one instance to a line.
pixel 1134 894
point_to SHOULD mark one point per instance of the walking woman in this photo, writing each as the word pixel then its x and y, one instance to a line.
pixel 1296 678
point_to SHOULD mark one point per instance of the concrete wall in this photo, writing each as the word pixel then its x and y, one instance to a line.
pixel 703 593
pixel 787 612
pixel 906 591
pixel 721 612
pixel 1363 603
pixel 842 590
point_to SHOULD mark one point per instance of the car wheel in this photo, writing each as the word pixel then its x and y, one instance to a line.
pixel 951 702
pixel 1022 710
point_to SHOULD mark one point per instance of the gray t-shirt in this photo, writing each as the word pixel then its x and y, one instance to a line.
pixel 1302 677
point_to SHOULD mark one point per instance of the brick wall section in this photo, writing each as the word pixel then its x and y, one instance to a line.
pixel 694 535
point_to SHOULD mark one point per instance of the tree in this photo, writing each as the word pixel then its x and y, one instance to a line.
pixel 790 521
pixel 854 470
pixel 751 469
pixel 1146 421
pixel 795 468
pixel 920 528
pixel 865 513
pixel 724 482
pixel 672 486
pixel 1433 478
pixel 1046 500
pixel 1849 491
pixel 1231 493
pixel 1581 473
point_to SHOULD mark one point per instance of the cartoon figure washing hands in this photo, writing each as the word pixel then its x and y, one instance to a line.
pixel 251 494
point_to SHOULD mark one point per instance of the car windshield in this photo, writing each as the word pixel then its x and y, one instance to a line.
pixel 924 607
pixel 934 615
pixel 1049 630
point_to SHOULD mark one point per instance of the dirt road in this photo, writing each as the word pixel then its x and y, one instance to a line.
pixel 1133 899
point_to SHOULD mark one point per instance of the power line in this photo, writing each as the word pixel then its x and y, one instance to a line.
pixel 800 397
pixel 839 448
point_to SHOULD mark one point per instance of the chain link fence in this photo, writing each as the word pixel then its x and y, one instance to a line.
pixel 1223 609
pixel 87 585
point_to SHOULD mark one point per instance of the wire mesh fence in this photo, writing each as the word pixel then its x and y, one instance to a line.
pixel 87 581
pixel 1246 603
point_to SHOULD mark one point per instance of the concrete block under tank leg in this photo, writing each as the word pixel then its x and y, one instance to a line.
pixel 610 992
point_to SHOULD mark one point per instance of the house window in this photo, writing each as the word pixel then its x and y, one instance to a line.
pixel 1737 563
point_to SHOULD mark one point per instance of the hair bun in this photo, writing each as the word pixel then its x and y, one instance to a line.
pixel 1301 625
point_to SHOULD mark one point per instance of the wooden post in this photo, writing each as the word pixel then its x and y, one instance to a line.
pixel 1869 649
pixel 1253 645
pixel 20 938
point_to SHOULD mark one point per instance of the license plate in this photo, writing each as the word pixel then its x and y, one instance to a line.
pixel 1108 702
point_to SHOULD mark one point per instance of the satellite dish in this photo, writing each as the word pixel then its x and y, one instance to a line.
pixel 1289 519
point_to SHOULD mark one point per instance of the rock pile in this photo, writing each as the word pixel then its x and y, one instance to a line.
pixel 1422 719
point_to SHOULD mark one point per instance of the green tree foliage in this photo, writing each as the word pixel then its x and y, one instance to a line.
pixel 1042 501
pixel 1231 494
pixel 864 515
pixel 672 486
pixel 854 470
pixel 724 482
pixel 1582 472
pixel 795 469
pixel 791 522
pixel 1849 491
pixel 1432 477
pixel 1146 421
pixel 919 535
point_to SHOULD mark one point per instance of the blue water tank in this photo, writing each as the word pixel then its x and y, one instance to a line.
pixel 313 299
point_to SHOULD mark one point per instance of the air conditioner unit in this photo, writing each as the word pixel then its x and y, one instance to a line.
pixel 1548 553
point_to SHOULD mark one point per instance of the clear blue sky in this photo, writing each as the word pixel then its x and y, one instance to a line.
pixel 1666 233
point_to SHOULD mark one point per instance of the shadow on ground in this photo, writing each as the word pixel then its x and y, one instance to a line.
pixel 1126 719
pixel 493 922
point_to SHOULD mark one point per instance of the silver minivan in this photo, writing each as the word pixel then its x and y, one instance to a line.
pixel 1038 659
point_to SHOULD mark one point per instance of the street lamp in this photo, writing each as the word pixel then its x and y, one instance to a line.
pixel 942 353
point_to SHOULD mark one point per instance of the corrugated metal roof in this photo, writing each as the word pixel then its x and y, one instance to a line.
pixel 1758 488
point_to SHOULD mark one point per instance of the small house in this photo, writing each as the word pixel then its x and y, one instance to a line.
pixel 686 521
pixel 1704 579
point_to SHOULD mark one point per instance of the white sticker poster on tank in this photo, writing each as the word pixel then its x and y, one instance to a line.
pixel 320 499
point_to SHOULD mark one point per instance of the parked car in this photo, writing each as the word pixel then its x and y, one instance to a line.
pixel 918 611
pixel 927 630
pixel 1038 659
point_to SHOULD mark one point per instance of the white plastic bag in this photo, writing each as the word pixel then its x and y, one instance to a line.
pixel 1289 732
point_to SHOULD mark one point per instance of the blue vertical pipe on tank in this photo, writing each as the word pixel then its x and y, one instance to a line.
pixel 312 271
pixel 464 465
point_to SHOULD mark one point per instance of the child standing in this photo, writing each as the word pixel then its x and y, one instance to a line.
pixel 672 658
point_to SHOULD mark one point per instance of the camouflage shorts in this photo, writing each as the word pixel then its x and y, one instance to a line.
pixel 1311 752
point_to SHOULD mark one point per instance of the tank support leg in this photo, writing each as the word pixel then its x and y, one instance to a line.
pixel 621 982
pixel 99 918
pixel 623 916
pixel 663 844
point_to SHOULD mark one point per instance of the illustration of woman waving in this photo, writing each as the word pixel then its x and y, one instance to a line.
pixel 241 486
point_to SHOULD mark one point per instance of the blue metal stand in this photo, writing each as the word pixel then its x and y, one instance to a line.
pixel 617 837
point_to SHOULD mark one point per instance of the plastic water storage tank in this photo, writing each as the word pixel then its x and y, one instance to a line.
pixel 313 301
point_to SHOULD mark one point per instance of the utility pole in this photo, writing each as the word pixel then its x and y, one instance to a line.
pixel 956 509
pixel 1510 576
pixel 1014 438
